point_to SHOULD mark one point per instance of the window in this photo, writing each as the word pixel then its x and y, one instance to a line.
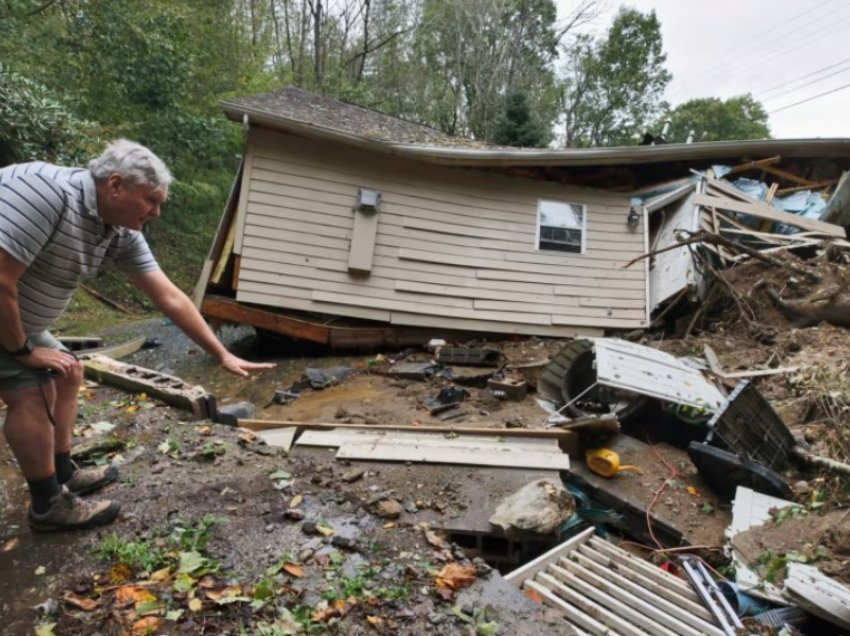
pixel 560 226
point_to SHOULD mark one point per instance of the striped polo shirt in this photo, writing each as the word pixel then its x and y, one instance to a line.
pixel 49 222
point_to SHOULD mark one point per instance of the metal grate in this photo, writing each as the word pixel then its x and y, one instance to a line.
pixel 748 425
pixel 602 589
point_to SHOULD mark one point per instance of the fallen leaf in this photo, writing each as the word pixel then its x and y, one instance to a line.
pixel 102 427
pixel 147 625
pixel 230 590
pixel 325 530
pixel 40 570
pixel 119 573
pixel 388 525
pixel 375 620
pixel 133 594
pixel 11 544
pixel 534 595
pixel 45 629
pixel 247 437
pixel 164 448
pixel 280 474
pixel 190 561
pixel 85 604
pixel 293 569
pixel 296 501
pixel 174 615
pixel 205 430
pixel 195 605
pixel 693 492
pixel 161 575
pixel 132 409
pixel 455 576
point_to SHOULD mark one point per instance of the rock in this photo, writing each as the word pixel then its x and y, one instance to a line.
pixel 310 528
pixel 352 475
pixel 293 514
pixel 536 508
pixel 230 413
pixel 344 543
pixel 386 509
pixel 410 506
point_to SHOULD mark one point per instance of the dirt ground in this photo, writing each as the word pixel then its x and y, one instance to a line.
pixel 222 534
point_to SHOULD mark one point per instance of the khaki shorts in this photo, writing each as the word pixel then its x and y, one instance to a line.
pixel 14 375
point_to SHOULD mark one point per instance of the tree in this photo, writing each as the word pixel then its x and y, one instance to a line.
pixel 517 125
pixel 472 53
pixel 613 86
pixel 712 119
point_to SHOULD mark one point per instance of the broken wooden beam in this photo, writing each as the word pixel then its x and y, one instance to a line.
pixel 567 439
pixel 167 388
pixel 118 350
pixel 554 433
pixel 759 210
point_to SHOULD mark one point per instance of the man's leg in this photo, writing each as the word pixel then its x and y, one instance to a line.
pixel 30 436
pixel 78 480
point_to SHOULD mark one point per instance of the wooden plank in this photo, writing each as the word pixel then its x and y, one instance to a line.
pixel 761 211
pixel 242 203
pixel 425 454
pixel 118 350
pixel 443 439
pixel 233 311
pixel 279 437
pixel 541 433
pixel 751 165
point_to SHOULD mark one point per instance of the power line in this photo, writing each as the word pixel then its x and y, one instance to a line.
pixel 814 81
pixel 791 81
pixel 783 51
pixel 809 99
pixel 783 44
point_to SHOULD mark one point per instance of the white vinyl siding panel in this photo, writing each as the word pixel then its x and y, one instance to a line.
pixel 452 247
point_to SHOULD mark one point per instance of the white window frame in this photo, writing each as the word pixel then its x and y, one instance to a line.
pixel 581 206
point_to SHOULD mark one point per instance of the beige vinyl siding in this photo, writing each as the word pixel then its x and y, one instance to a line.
pixel 453 248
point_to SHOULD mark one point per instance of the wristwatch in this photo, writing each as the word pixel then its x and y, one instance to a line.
pixel 25 349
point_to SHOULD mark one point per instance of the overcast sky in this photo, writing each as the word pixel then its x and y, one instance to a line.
pixel 781 51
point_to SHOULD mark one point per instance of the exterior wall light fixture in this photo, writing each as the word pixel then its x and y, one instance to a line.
pixel 633 219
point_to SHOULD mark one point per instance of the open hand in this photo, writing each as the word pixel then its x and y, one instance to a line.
pixel 238 366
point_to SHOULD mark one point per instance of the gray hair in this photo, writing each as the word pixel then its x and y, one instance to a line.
pixel 133 162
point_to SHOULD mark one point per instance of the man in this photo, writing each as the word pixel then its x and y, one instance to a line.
pixel 57 226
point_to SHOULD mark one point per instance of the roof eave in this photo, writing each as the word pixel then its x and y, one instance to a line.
pixel 470 157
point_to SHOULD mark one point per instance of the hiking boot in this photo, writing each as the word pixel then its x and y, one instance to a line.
pixel 69 512
pixel 86 480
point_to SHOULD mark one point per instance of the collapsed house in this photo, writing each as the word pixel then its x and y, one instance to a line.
pixel 347 227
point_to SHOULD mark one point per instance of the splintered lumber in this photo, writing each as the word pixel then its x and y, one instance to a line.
pixel 506 457
pixel 167 388
pixel 579 422
pixel 760 210
pixel 281 437
pixel 751 165
pixel 117 350
pixel 567 439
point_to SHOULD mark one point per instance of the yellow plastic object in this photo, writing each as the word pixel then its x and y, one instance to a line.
pixel 605 462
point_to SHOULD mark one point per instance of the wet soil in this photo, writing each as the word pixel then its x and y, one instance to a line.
pixel 174 470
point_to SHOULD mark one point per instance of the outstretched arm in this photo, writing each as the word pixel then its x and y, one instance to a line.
pixel 168 298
